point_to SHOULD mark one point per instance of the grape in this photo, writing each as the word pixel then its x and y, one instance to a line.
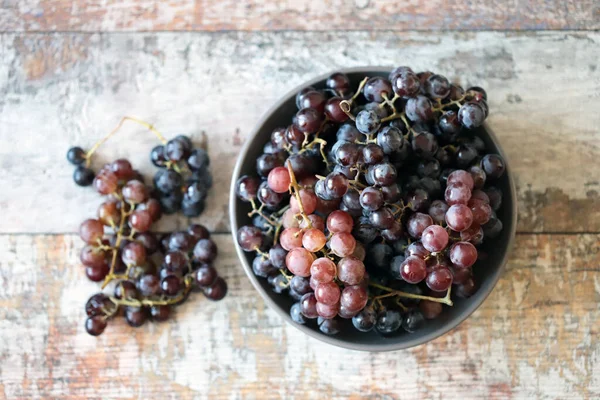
pixel 294 136
pixel 463 254
pixel 395 232
pixel 456 92
pixel 153 207
pixel 97 305
pixel 348 133
pixel 493 228
pixel 437 211
pixel 291 238
pixel 300 285
pixel 316 222
pixel 327 293
pixel 268 197
pixel 327 311
pixel 419 108
pixel 413 321
pixel 181 241
pixel 167 181
pixel 405 83
pixel 493 165
pixel 313 240
pixel 430 309
pixel 376 87
pixel 296 314
pixel 334 111
pixel 339 222
pixel 478 175
pixel 83 176
pixel 435 238
pixel 413 269
pixel 417 223
pixel 342 244
pixel 323 270
pixel 416 249
pixel 368 122
pixel 299 260
pixel 473 234
pixel 91 256
pixel 175 260
pixel 346 154
pixel 396 266
pixel 330 327
pixel 340 83
pixel 160 313
pixel 133 254
pixel 437 86
pixel 379 255
pixel 466 289
pixel 371 199
pixel 109 213
pixel 309 202
pixel 429 168
pixel 97 274
pixel 170 285
pixel 354 298
pixel 383 174
pixel 461 177
pixel 308 306
pixel 449 123
pixel 217 290
pixel 140 220
pixel 262 267
pixel 478 194
pixel 336 185
pixel 307 120
pixel 391 193
pixel 424 145
pixel 267 162
pixel 312 99
pixel 249 238
pixel 148 285
pixel 76 155
pixel 457 193
pixel 439 279
pixel 481 211
pixel 91 231
pixel 95 325
pixel 382 218
pixel 288 220
pixel 279 179
pixel 205 276
pixel 205 250
pixel 351 270
pixel 465 155
pixel 388 321
pixel 365 320
pixel 459 217
pixel 471 115
pixel 460 274
pixel 495 197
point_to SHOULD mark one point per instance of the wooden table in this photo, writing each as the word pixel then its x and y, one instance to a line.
pixel 69 70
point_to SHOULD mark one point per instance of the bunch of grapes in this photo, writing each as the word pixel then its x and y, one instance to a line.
pixel 148 274
pixel 391 194
pixel 184 178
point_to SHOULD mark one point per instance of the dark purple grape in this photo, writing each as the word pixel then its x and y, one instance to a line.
pixel 391 193
pixel 419 109
pixel 308 120
pixel 340 83
pixel 198 160
pixel 268 197
pixel 217 290
pixel 388 321
pixel 383 174
pixel 493 165
pixel 95 325
pixel 76 155
pixel 376 87
pixel 368 122
pixel 405 82
pixel 471 115
pixel 437 86
pixel 205 250
pixel 379 255
pixel 83 176
pixel 390 139
pixel 413 321
pixel 312 99
pixel 424 145
pixel 176 149
pixel 365 320
pixel 136 316
pixel 382 218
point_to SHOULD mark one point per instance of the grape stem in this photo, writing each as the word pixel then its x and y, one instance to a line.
pixel 156 302
pixel 295 190
pixel 346 105
pixel 445 300
pixel 95 147
pixel 111 273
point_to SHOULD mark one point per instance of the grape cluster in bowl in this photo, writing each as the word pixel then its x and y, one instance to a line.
pixel 373 206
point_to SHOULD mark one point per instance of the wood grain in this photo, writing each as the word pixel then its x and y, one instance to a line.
pixel 61 90
pixel 534 337
pixel 255 15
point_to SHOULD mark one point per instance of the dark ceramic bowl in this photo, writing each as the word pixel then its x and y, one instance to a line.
pixel 486 272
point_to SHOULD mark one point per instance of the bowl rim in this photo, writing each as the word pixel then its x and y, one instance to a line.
pixel 418 340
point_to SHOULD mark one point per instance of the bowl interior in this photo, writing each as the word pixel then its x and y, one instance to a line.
pixel 486 272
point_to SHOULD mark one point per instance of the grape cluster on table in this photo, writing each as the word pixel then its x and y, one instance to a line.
pixel 148 273
pixel 373 203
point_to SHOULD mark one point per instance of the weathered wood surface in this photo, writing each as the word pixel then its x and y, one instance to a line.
pixel 61 90
pixel 256 15
pixel 535 337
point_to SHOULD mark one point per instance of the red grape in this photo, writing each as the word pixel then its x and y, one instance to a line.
pixel 434 238
pixel 463 254
pixel 342 244
pixel 322 270
pixel 299 260
pixel 291 238
pixel 313 240
pixel 413 269
pixel 459 217
pixel 351 270
pixel 279 179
